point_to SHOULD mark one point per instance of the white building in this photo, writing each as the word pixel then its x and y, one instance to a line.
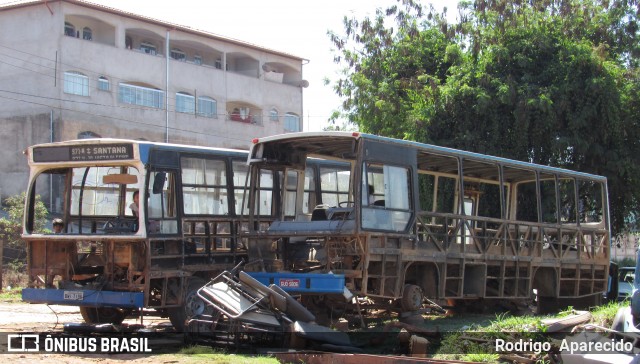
pixel 71 69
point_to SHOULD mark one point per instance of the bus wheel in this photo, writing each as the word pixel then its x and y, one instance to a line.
pixel 192 305
pixel 412 298
pixel 103 315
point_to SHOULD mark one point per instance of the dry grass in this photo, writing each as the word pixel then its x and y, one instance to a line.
pixel 13 279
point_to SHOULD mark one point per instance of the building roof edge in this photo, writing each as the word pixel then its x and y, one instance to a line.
pixel 168 25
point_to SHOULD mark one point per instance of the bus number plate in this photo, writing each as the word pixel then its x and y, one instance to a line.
pixel 73 295
pixel 290 283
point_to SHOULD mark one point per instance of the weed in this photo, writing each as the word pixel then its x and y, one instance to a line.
pixel 603 315
pixel 12 278
pixel 481 358
pixel 202 354
pixel 13 295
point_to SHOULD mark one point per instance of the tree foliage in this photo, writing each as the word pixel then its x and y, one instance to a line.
pixel 549 82
pixel 11 227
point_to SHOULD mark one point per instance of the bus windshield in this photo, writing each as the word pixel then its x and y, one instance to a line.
pixel 90 196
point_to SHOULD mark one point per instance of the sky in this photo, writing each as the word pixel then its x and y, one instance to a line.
pixel 297 27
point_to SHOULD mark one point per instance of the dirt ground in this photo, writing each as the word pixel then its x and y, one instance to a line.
pixel 25 317
pixel 29 318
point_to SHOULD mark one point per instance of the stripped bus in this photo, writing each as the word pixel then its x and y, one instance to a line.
pixel 109 261
pixel 416 221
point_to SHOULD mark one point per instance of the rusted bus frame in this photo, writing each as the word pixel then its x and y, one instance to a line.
pixel 512 250
pixel 186 267
pixel 234 225
pixel 47 244
pixel 579 258
pixel 381 253
pixel 118 255
pixel 578 284
pixel 516 238
pixel 44 274
pixel 344 246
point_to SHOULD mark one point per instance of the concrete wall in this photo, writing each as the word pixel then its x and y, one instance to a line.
pixel 17 134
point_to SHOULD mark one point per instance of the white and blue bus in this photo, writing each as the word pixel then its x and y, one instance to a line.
pixel 110 260
pixel 414 221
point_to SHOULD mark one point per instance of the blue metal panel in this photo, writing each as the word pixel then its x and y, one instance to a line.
pixel 144 148
pixel 83 297
pixel 302 282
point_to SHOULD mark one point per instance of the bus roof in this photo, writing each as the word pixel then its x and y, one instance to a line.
pixel 341 142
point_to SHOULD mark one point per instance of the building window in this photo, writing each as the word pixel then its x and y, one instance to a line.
pixel 87 34
pixel 207 107
pixel 138 95
pixel 197 60
pixel 148 48
pixel 103 84
pixel 76 83
pixel 219 64
pixel 178 55
pixel 273 114
pixel 69 29
pixel 185 103
pixel 291 122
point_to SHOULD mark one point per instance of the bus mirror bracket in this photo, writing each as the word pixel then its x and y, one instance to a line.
pixel 158 182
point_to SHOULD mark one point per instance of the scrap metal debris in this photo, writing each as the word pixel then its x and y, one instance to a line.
pixel 243 311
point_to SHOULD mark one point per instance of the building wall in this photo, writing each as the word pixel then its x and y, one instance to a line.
pixel 33 98
pixel 16 135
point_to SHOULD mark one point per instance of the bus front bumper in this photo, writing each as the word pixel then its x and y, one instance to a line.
pixel 83 297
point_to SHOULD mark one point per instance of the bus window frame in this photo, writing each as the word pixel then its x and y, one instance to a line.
pixel 382 212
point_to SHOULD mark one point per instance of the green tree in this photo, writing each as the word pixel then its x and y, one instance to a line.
pixel 11 227
pixel 385 66
pixel 553 83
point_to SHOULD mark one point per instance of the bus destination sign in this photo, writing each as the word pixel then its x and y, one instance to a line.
pixel 83 153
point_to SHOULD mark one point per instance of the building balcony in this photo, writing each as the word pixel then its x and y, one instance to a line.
pixel 244 113
pixel 88 28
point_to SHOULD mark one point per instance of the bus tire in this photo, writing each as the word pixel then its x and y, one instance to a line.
pixel 192 305
pixel 412 298
pixel 103 315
